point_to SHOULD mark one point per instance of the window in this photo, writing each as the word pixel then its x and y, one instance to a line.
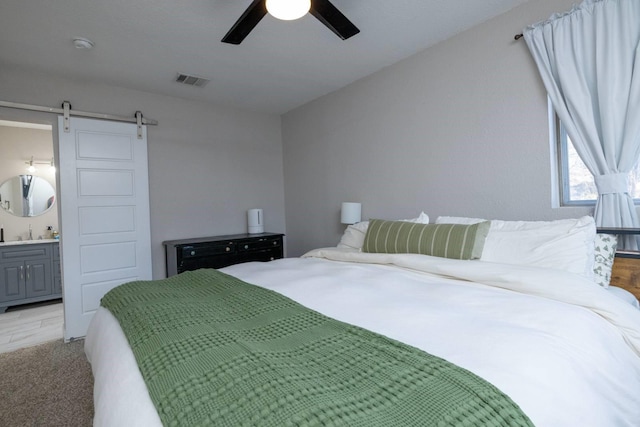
pixel 577 186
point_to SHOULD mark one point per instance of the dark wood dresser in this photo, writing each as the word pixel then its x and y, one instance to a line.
pixel 221 251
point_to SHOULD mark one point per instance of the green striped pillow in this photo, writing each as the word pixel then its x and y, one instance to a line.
pixel 457 241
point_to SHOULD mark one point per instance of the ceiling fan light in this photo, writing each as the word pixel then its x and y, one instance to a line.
pixel 288 10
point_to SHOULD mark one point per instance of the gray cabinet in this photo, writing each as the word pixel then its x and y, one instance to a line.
pixel 27 273
pixel 57 273
pixel 12 282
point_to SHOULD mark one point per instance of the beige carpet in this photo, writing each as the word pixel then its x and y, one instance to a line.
pixel 47 385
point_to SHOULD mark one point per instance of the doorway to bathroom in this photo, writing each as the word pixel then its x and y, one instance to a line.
pixel 31 309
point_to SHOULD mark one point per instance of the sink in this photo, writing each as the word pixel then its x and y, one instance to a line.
pixel 27 242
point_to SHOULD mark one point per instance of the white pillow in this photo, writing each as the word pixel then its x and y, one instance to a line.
pixel 423 218
pixel 458 220
pixel 353 236
pixel 566 244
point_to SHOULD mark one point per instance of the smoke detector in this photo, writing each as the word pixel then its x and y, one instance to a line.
pixel 82 43
pixel 191 80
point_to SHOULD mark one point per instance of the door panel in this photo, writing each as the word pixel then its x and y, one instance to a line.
pixel 105 236
pixel 104 183
pixel 107 257
pixel 105 146
pixel 12 281
pixel 107 219
pixel 38 278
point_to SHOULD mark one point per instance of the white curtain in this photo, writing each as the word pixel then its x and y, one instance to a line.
pixel 589 60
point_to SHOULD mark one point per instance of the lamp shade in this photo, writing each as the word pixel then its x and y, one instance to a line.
pixel 288 10
pixel 350 213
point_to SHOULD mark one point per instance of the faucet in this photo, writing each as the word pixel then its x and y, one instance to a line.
pixel 30 233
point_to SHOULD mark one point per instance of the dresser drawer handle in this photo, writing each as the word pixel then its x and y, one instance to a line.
pixel 246 246
pixel 227 249
pixel 275 242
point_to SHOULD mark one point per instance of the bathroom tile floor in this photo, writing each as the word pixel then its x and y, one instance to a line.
pixel 30 325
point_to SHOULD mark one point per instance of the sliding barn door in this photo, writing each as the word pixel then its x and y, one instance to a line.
pixel 104 221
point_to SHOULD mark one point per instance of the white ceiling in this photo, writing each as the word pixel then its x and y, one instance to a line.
pixel 144 44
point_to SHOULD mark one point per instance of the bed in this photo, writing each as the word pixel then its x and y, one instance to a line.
pixel 563 349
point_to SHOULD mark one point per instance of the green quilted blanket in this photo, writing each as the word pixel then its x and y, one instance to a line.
pixel 214 350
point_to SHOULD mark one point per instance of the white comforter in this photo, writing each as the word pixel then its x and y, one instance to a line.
pixel 561 347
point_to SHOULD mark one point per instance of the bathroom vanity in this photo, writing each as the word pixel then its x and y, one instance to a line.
pixel 29 272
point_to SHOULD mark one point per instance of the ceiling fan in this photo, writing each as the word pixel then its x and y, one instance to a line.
pixel 323 10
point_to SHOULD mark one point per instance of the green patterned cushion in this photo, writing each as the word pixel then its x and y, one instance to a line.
pixel 457 241
pixel 605 252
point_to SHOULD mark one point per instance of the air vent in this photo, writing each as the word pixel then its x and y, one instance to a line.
pixel 191 80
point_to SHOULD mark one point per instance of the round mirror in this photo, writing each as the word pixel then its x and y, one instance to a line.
pixel 26 195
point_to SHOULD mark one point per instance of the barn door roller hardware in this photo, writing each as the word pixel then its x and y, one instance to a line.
pixel 67 112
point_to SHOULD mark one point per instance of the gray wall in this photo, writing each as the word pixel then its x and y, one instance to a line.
pixel 207 164
pixel 458 129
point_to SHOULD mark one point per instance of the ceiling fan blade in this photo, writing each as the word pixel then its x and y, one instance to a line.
pixel 247 22
pixel 330 16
